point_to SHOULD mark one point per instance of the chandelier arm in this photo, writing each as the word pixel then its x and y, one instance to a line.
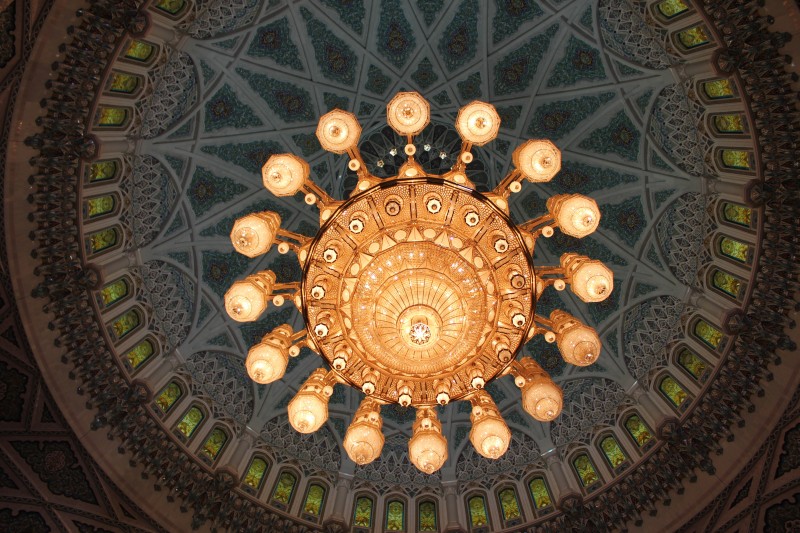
pixel 536 226
pixel 358 165
pixel 509 184
pixel 299 239
pixel 461 164
pixel 322 198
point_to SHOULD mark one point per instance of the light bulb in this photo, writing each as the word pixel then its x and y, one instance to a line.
pixel 489 434
pixel 364 440
pixel 478 123
pixel 308 410
pixel 427 448
pixel 253 235
pixel 542 398
pixel 338 131
pixel 579 344
pixel 589 279
pixel 576 215
pixel 408 113
pixel 537 160
pixel 284 174
pixel 248 298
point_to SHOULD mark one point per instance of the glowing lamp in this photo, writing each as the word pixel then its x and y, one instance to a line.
pixel 338 131
pixel 576 215
pixel 308 410
pixel 478 123
pixel 579 344
pixel 489 434
pixel 427 448
pixel 248 298
pixel 284 174
pixel 408 113
pixel 538 160
pixel 364 440
pixel 590 280
pixel 253 234
pixel 541 397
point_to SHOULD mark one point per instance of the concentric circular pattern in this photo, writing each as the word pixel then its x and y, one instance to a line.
pixel 414 279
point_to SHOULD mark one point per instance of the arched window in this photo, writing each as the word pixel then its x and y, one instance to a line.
pixel 213 445
pixel 509 507
pixel 189 423
pixel 586 471
pixel 730 124
pixel 478 514
pixel 314 502
pixel 113 293
pixel 736 159
pixel 728 284
pixel 709 335
pixel 363 511
pixel 735 250
pixel 124 83
pixel 112 116
pixel 615 456
pixel 100 171
pixel 673 392
pixel 427 520
pixel 719 89
pixel 540 494
pixel 124 324
pixel 255 475
pixel 171 7
pixel 672 8
pixel 694 365
pixel 97 207
pixel 693 37
pixel 641 434
pixel 102 240
pixel 284 490
pixel 395 516
pixel 738 215
pixel 140 354
pixel 139 51
pixel 168 396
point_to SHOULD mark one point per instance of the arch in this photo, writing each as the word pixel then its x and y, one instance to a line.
pixel 125 324
pixel 693 38
pixel 284 489
pixel 190 422
pixel 478 514
pixel 394 515
pixel 510 508
pixel 124 84
pixel 540 493
pixel 103 241
pixel 142 353
pixel 586 471
pixel 168 397
pixel 139 52
pixel 113 117
pixel 724 283
pixel 113 293
pixel 737 215
pixel 674 393
pixel 717 89
pixel 314 501
pixel 213 445
pixel 708 335
pixel 427 516
pixel 695 366
pixel 730 124
pixel 671 10
pixel 363 513
pixel 255 475
pixel 733 250
pixel 100 206
pixel 639 432
pixel 735 160
pixel 613 453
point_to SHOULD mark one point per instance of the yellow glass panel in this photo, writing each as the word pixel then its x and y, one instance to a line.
pixel 124 83
pixel 102 240
pixel 314 500
pixel 140 353
pixel 509 504
pixel 112 116
pixel 672 8
pixel 586 470
pixel 673 391
pixel 693 37
pixel 691 363
pixel 736 159
pixel 613 452
pixel 734 249
pixel 214 444
pixel 139 50
pixel 727 283
pixel 718 89
pixel 733 123
pixel 113 292
pixel 168 397
pixel 124 324
pixel 395 516
pixel 172 7
pixel 427 517
pixel 190 422
pixel 638 430
pixel 477 511
pixel 539 493
pixel 100 205
pixel 255 473
pixel 737 214
pixel 102 171
pixel 284 489
pixel 708 333
pixel 362 514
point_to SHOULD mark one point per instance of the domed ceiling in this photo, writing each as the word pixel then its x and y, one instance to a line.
pixel 240 80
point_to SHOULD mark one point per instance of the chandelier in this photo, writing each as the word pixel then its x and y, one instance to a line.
pixel 418 290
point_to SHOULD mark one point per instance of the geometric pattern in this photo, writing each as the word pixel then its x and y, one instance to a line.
pixel 221 377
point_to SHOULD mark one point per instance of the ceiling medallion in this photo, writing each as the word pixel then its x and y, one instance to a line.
pixel 419 290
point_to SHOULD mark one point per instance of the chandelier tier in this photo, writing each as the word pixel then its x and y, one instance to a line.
pixel 419 290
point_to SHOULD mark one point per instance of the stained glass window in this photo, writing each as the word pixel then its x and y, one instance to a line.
pixel 736 250
pixel 692 363
pixel 125 323
pixel 124 83
pixel 284 488
pixel 396 516
pixel 509 505
pixel 730 123
pixel 672 8
pixel 140 353
pixel 255 473
pixel 172 7
pixel 214 443
pixel 190 422
pixel 113 292
pixel 708 334
pixel 140 51
pixel 693 37
pixel 672 390
pixel 737 159
pixel 718 89
pixel 727 283
pixel 540 493
pixel 315 497
pixel 362 513
pixel 478 515
pixel 613 452
pixel 168 396
pixel 737 214
pixel 101 240
pixel 98 206
pixel 638 430
pixel 101 171
pixel 111 117
pixel 427 517
pixel 585 469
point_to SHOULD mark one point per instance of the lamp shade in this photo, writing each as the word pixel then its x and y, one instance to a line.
pixel 576 215
pixel 537 160
pixel 253 234
pixel 489 434
pixel 478 123
pixel 266 361
pixel 590 280
pixel 248 298
pixel 338 131
pixel 284 174
pixel 364 440
pixel 308 410
pixel 541 397
pixel 408 113
pixel 579 344
pixel 427 448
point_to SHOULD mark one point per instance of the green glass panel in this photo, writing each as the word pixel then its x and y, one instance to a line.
pixel 124 83
pixel 708 333
pixel 539 493
pixel 102 171
pixel 734 249
pixel 140 353
pixel 737 214
pixel 736 159
pixel 100 205
pixel 284 489
pixel 314 499
pixel 673 391
pixel 728 284
pixel 214 443
pixel 171 6
pixel 362 515
pixel 168 397
pixel 478 516
pixel 126 323
pixel 190 421
pixel 112 116
pixel 734 123
pixel 638 430
pixel 255 473
pixel 672 8
pixel 139 50
pixel 612 451
pixel 509 504
pixel 114 292
pixel 395 516
pixel 427 517
pixel 718 89
pixel 693 37
pixel 691 363
pixel 586 470
pixel 102 240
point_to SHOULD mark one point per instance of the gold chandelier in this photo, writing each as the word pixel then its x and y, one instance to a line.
pixel 419 290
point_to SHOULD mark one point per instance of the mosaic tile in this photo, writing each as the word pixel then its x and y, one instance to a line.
pixel 207 190
pixel 659 163
pixel 442 98
pixel 429 9
pixel 555 120
pixel 180 257
pixel 627 72
pixel 464 407
pixel 587 20
pixel 470 88
pixel 643 288
pixel 225 110
pixel 339 397
pixel 509 116
pixel 182 132
pixel 176 225
pixel 601 311
pixel 335 59
pixel 498 394
pixel 334 101
pixel 207 72
pixel 221 340
pixel 365 109
pixel 377 81
pixel 612 342
pixel 626 219
pixel 398 414
pixel 502 146
pixel 307 228
pixel 515 72
pixel 652 256
pixel 274 41
pixel 643 101
pixel 339 425
pixel 290 102
pixel 511 15
pixel 220 270
pixel 588 246
pixel 177 164
pixel 351 12
pixel 250 156
pixel 458 44
pixel 307 142
pixel 294 361
pixel 576 177
pixel 547 355
pixel 662 196
pixel 424 76
pixel 581 62
pixel 205 310
pixel 396 40
pixel 227 44
pixel 321 172
pixel 225 225
pixel 253 332
pixel 532 204
pixel 516 418
pixel 461 431
pixel 286 268
pixel 619 137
